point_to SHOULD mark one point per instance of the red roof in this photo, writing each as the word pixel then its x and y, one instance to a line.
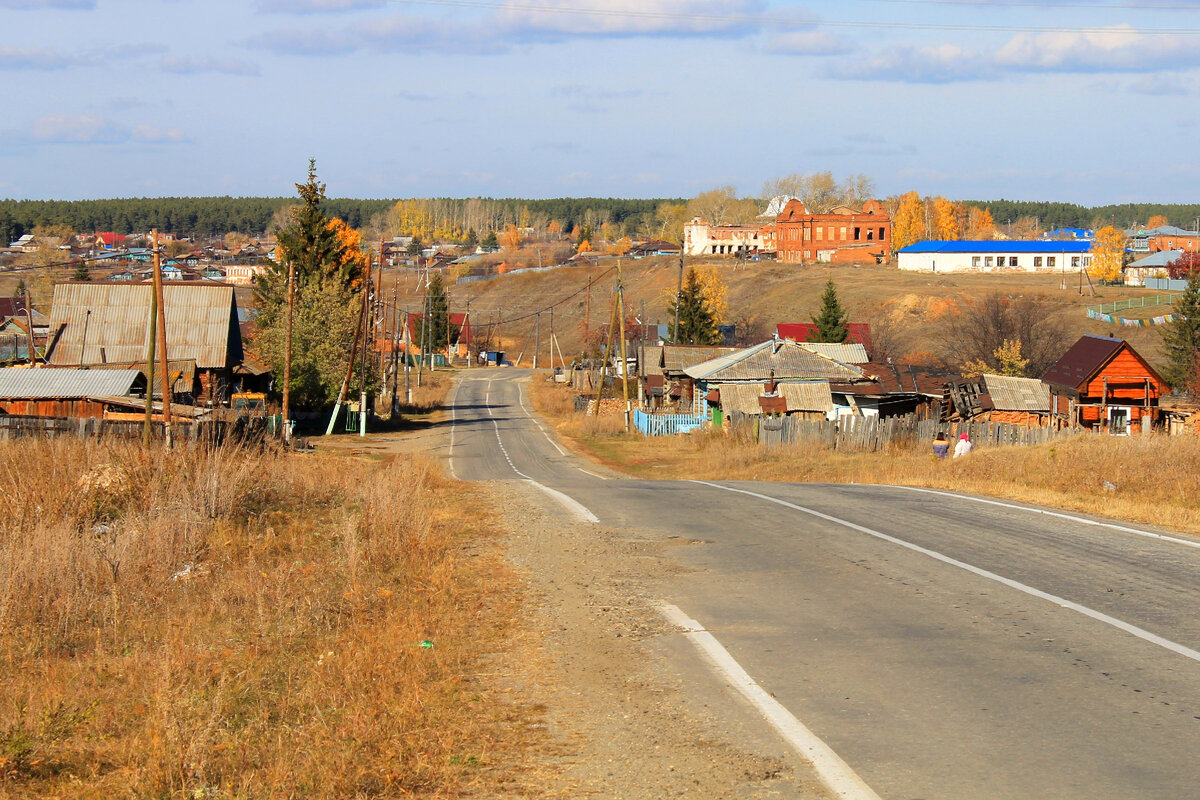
pixel 1087 358
pixel 858 332
pixel 108 238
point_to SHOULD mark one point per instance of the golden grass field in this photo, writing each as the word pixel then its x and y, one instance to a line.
pixel 243 624
pixel 1154 475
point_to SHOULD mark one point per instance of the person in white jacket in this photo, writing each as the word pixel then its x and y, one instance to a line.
pixel 963 447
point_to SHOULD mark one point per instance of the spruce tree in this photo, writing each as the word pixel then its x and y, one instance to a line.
pixel 437 307
pixel 831 322
pixel 1181 337
pixel 696 323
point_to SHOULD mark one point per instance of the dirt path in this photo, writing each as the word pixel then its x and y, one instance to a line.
pixel 621 720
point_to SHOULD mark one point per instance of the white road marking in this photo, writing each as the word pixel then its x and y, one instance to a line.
pixel 521 400
pixel 453 424
pixel 835 773
pixel 1057 514
pixel 571 504
pixel 594 475
pixel 1141 633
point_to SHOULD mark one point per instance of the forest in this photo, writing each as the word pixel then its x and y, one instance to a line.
pixel 214 216
pixel 1069 215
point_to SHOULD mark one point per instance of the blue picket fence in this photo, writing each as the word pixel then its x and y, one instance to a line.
pixel 665 424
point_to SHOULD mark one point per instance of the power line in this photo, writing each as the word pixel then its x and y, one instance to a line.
pixel 792 22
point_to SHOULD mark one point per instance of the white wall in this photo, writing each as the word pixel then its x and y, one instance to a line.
pixel 990 262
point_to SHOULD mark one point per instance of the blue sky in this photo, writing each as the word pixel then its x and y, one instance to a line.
pixel 1089 102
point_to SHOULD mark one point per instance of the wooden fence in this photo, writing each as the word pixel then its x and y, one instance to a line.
pixel 875 434
pixel 13 426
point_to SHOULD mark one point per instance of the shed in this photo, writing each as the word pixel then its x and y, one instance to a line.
pixel 94 323
pixel 66 392
pixel 1103 383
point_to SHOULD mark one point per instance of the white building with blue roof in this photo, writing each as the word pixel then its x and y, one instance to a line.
pixel 995 256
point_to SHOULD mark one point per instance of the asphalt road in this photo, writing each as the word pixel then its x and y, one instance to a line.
pixel 944 647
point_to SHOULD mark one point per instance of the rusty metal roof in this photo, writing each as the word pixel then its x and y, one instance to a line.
pixel 784 359
pixel 1017 394
pixel 201 323
pixel 1085 358
pixel 25 383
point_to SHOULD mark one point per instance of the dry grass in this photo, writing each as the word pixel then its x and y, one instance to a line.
pixel 225 623
pixel 1152 475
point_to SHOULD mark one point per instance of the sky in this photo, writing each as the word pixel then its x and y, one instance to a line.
pixel 1079 101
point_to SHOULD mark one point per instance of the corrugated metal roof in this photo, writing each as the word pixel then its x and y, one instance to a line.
pixel 846 353
pixel 1082 361
pixel 201 323
pixel 1017 394
pixel 859 332
pixel 807 396
pixel 1159 259
pixel 22 382
pixel 678 357
pixel 963 246
pixel 786 360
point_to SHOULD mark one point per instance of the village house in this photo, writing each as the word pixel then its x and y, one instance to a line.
pixel 68 392
pixel 664 377
pixel 98 323
pixel 1001 398
pixel 995 256
pixel 1103 384
pixel 1165 237
pixel 1151 266
pixel 843 235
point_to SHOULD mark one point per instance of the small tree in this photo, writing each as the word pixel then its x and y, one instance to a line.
pixel 81 271
pixel 435 328
pixel 1181 336
pixel 1108 254
pixel 696 322
pixel 415 247
pixel 489 242
pixel 831 322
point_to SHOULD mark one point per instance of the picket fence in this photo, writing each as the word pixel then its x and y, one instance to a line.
pixel 875 434
pixel 665 424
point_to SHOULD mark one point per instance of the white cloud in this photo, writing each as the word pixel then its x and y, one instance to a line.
pixel 191 65
pixel 90 129
pixel 317 6
pixel 1115 50
pixel 628 18
pixel 65 5
pixel 809 43
pixel 20 58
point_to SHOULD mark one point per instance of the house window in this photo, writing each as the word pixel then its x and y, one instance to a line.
pixel 1037 261
pixel 1087 261
pixel 882 235
pixel 858 234
pixel 987 262
pixel 1049 261
pixel 870 234
pixel 843 233
pixel 807 254
pixel 1012 261
pixel 807 234
pixel 820 232
pixel 975 261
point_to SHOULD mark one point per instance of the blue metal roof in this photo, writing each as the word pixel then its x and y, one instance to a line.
pixel 965 246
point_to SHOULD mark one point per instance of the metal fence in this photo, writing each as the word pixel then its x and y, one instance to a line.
pixel 875 434
pixel 665 424
pixel 1137 302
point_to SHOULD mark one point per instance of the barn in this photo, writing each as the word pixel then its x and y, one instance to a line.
pixel 1102 383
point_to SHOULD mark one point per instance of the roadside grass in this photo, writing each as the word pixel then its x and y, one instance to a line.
pixel 227 623
pixel 1153 476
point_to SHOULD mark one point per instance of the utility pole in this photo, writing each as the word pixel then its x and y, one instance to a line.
pixel 366 332
pixel 612 323
pixel 587 317
pixel 678 298
pixel 394 338
pixel 150 358
pixel 407 359
pixel 160 301
pixel 287 353
pixel 624 355
pixel 537 336
pixel 424 330
pixel 470 334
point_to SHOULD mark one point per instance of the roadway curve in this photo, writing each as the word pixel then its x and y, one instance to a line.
pixel 943 646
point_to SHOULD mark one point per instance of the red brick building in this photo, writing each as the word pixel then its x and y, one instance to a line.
pixel 841 236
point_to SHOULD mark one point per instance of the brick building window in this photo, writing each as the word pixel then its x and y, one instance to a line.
pixel 843 233
pixel 882 234
pixel 820 232
pixel 807 234
pixel 858 234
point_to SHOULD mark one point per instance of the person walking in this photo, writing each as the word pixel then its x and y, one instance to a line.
pixel 941 447
pixel 963 447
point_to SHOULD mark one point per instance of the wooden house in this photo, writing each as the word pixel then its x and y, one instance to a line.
pixel 68 392
pixel 1001 398
pixel 1103 384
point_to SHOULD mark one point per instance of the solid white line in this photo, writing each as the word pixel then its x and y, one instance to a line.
pixel 453 424
pixel 1057 514
pixel 835 773
pixel 571 504
pixel 1141 633
pixel 553 443
pixel 594 475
